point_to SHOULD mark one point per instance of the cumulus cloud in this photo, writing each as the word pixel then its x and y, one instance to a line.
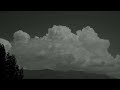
pixel 60 49
pixel 21 36
pixel 6 44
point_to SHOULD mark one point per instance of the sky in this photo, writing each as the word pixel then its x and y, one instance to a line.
pixel 105 23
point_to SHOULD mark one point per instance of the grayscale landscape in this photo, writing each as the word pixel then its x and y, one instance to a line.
pixel 63 44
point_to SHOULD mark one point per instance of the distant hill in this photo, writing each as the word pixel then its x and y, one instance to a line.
pixel 50 74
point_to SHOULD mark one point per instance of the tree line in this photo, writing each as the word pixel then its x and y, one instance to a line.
pixel 9 69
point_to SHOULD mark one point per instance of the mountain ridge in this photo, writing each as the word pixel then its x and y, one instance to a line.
pixel 50 74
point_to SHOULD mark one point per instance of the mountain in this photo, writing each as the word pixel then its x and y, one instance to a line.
pixel 50 74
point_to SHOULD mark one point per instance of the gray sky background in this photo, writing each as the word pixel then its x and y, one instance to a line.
pixel 105 23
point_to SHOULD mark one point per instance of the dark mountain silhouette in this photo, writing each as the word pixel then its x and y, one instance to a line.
pixel 50 74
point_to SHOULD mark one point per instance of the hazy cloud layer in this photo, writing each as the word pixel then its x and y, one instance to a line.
pixel 60 49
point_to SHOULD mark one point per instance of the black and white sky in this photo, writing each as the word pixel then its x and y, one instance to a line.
pixel 105 23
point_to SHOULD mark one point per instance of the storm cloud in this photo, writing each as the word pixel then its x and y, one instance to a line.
pixel 60 49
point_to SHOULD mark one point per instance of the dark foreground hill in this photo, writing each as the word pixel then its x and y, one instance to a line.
pixel 50 74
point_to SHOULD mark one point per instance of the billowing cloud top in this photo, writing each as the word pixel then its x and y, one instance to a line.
pixel 60 49
pixel 21 36
pixel 6 44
